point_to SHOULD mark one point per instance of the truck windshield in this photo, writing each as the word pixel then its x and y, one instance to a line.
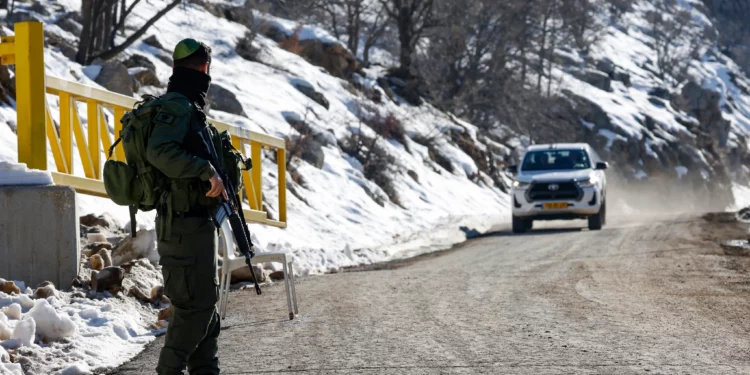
pixel 549 160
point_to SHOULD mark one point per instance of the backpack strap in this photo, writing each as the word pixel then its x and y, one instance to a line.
pixel 112 149
pixel 133 210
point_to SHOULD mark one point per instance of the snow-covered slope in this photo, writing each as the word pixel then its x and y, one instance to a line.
pixel 663 131
pixel 338 223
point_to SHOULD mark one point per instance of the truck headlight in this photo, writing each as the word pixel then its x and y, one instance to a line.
pixel 521 185
pixel 589 182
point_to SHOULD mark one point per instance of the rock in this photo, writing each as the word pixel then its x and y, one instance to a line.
pixel 243 274
pixel 45 292
pixel 606 66
pixel 276 275
pixel 590 111
pixel 313 154
pixel 156 294
pixel 77 283
pixel 333 57
pixel 624 78
pixel 595 78
pixel 39 8
pixel 274 33
pixel 133 248
pixel 383 83
pixel 153 42
pixel 224 100
pixel 316 96
pixel 661 92
pixel 104 221
pixel 71 22
pixel 145 77
pixel 65 47
pixel 95 247
pixel 139 295
pixel 22 16
pixel 165 58
pixel 96 262
pixel 106 257
pixel 166 314
pixel 246 49
pixel 110 279
pixel 242 14
pixel 93 280
pixel 114 76
pixel 9 287
pixel 137 60
pixel 408 84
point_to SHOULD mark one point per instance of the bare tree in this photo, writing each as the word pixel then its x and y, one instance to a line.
pixel 674 41
pixel 103 20
pixel 582 22
pixel 412 18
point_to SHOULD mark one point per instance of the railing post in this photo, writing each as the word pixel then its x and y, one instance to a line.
pixel 257 170
pixel 281 162
pixel 30 91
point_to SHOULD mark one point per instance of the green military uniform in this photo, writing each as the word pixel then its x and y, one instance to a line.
pixel 187 236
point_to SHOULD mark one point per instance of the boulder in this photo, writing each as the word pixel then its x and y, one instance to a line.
pixel 311 93
pixel 37 7
pixel 153 42
pixel 45 292
pixel 143 245
pixel 313 154
pixel 104 221
pixel 156 294
pixel 661 92
pixel 137 60
pixel 166 314
pixel 139 295
pixel 110 279
pixel 624 78
pixel 408 84
pixel 243 275
pixel 97 263
pixel 595 78
pixel 224 100
pixel 70 22
pixel 23 16
pixel 606 66
pixel 106 256
pixel 165 58
pixel 333 57
pixel 242 14
pixel 9 287
pixel 61 44
pixel 145 77
pixel 274 33
pixel 114 76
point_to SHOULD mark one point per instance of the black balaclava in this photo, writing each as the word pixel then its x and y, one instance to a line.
pixel 192 83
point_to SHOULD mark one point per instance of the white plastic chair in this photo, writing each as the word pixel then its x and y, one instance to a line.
pixel 231 263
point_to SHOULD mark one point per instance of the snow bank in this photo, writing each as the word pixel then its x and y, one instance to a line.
pixel 18 174
pixel 49 324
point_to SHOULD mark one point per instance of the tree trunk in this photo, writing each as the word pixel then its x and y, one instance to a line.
pixel 85 42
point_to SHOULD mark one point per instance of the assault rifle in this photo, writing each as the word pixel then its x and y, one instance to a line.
pixel 231 209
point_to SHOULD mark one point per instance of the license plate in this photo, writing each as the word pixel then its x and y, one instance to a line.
pixel 555 206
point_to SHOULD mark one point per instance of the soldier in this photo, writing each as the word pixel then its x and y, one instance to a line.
pixel 187 234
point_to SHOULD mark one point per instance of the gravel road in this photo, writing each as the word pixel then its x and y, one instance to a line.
pixel 652 297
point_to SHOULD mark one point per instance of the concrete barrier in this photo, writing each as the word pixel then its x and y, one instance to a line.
pixel 39 234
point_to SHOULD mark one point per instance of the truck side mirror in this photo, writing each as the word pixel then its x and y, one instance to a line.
pixel 513 169
pixel 600 166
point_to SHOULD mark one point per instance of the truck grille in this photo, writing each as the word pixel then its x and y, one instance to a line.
pixel 541 191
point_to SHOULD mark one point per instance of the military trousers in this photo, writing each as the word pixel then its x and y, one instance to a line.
pixel 189 266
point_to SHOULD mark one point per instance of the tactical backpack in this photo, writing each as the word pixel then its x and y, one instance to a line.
pixel 136 184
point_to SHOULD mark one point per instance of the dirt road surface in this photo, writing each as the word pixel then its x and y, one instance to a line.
pixel 657 296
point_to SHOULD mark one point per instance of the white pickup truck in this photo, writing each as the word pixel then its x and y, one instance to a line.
pixel 559 182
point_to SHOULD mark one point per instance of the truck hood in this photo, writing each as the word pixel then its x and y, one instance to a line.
pixel 551 176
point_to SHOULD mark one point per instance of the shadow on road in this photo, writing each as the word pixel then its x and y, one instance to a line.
pixel 533 232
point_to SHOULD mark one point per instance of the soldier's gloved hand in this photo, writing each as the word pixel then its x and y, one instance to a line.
pixel 217 188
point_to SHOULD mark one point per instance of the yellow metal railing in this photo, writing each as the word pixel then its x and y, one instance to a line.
pixel 36 127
